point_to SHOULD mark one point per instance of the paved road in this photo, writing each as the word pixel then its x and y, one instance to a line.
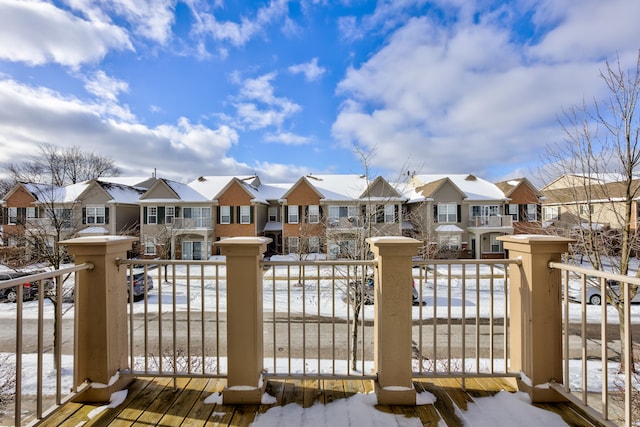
pixel 293 339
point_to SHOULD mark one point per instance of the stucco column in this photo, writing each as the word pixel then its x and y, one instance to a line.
pixel 244 319
pixel 101 345
pixel 393 319
pixel 535 321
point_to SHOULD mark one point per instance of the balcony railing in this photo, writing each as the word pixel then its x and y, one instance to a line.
pixel 191 223
pixel 492 221
pixel 225 318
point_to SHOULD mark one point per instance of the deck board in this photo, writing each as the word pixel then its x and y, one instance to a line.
pixel 154 401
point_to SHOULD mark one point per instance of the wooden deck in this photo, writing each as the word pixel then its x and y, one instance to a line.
pixel 155 402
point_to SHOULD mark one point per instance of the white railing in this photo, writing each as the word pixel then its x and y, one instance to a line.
pixel 598 366
pixel 39 337
pixel 462 330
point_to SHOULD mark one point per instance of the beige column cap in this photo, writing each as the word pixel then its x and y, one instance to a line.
pixel 535 242
pixel 395 245
pixel 103 244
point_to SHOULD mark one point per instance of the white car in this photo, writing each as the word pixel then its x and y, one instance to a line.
pixel 593 295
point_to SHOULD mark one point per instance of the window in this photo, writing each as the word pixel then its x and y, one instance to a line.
pixel 32 213
pixel 225 214
pixel 197 217
pixel 293 214
pixel 63 216
pixel 314 214
pixel 152 215
pixel 245 214
pixel 13 215
pixel 95 215
pixel 273 214
pixel 586 209
pixel 314 245
pixel 169 214
pixel 532 212
pixel 551 213
pixel 496 245
pixel 513 211
pixel 447 212
pixel 484 210
pixel 149 246
pixel 449 241
pixel 192 250
pixel 294 245
pixel 336 212
pixel 389 213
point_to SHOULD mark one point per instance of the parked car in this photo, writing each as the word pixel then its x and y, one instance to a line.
pixel 355 290
pixel 594 296
pixel 29 289
pixel 138 285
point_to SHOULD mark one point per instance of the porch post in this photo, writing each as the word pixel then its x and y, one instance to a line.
pixel 535 321
pixel 393 319
pixel 100 315
pixel 245 360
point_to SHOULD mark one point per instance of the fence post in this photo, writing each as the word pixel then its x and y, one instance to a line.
pixel 245 360
pixel 101 345
pixel 535 321
pixel 393 319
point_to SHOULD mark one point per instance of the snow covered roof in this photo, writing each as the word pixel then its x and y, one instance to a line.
pixel 474 188
pixel 211 186
pixel 47 193
pixel 120 193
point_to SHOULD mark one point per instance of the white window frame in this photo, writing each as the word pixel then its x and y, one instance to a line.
pixel 292 214
pixel 149 246
pixel 273 214
pixel 532 212
pixel 293 245
pixel 495 245
pixel 32 213
pixel 551 213
pixel 225 214
pixel 152 214
pixel 389 214
pixel 514 215
pixel 13 216
pixel 245 214
pixel 314 245
pixel 96 215
pixel 169 214
pixel 314 214
pixel 444 212
pixel 449 241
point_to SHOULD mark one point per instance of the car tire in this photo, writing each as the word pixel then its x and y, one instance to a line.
pixel 12 295
pixel 595 300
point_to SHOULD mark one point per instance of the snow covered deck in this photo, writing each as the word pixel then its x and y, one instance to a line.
pixel 318 403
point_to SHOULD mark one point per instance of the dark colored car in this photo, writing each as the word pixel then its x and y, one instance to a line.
pixel 355 291
pixel 29 289
pixel 138 285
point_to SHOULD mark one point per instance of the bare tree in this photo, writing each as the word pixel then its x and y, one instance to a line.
pixel 60 166
pixel 601 155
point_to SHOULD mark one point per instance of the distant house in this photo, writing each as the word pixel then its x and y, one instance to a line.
pixel 176 222
pixel 573 201
pixel 458 215
pixel 524 205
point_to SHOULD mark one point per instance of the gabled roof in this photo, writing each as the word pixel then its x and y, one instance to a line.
pixel 212 186
pixel 47 193
pixel 120 193
pixel 611 191
pixel 132 181
pixel 473 188
pixel 181 192
pixel 509 186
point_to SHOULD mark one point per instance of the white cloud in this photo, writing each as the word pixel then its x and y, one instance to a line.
pixel 35 115
pixel 257 106
pixel 105 87
pixel 468 92
pixel 238 33
pixel 288 138
pixel 310 70
pixel 151 19
pixel 38 33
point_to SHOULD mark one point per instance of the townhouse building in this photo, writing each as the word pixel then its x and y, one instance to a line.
pixel 573 201
pixel 455 215
pixel 458 215
pixel 524 205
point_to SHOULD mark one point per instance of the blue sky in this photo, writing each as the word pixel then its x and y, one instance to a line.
pixel 283 88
